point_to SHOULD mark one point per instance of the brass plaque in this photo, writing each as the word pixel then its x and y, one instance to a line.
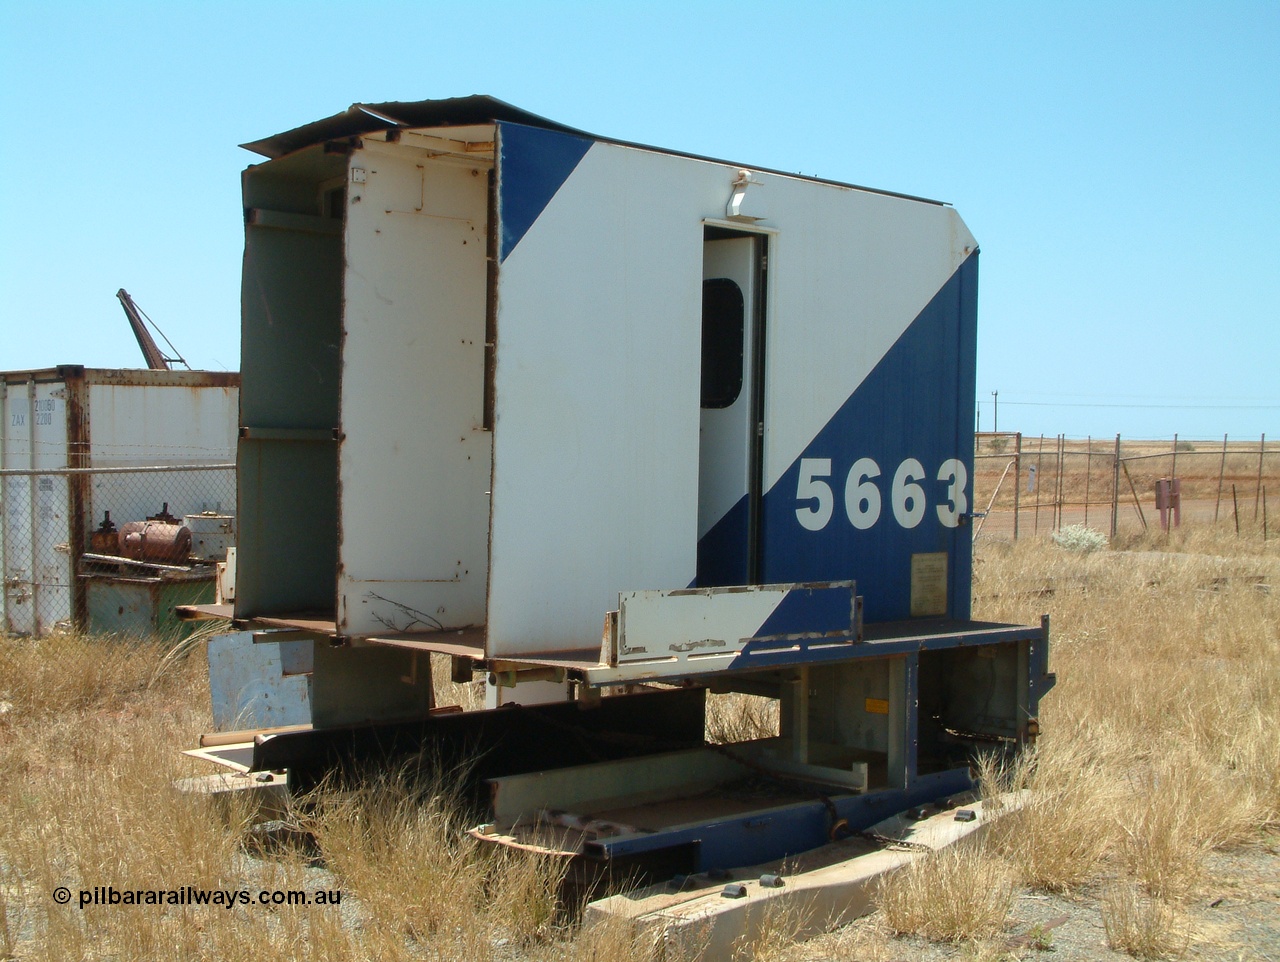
pixel 928 584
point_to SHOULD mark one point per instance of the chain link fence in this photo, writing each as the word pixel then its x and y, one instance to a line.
pixel 1033 486
pixel 104 549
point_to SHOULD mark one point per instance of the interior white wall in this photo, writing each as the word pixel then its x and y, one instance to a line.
pixel 414 457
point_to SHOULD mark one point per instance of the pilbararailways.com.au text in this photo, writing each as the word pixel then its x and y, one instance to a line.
pixel 109 895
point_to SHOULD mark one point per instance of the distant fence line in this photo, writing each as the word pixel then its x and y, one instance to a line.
pixel 1057 480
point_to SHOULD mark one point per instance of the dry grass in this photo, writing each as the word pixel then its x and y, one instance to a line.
pixel 774 931
pixel 89 748
pixel 738 718
pixel 1144 926
pixel 961 894
pixel 1056 842
pixel 469 695
pixel 1159 743
pixel 1159 747
pixel 41 678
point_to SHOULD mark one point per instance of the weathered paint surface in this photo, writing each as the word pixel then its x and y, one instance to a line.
pixel 414 459
pixel 144 606
pixel 824 888
pixel 263 684
pixel 867 447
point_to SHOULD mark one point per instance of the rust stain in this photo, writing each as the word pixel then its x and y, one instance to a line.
pixel 78 486
pixel 125 377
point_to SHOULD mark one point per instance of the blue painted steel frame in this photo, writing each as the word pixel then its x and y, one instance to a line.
pixel 769 834
pixel 877 641
pixel 775 833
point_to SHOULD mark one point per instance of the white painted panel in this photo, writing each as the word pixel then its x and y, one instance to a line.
pixel 414 461
pixel 150 424
pixel 596 442
pixel 658 624
pixel 596 439
pixel 848 272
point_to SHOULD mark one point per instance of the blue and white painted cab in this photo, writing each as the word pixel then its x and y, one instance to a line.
pixel 501 375
pixel 581 414
pixel 790 378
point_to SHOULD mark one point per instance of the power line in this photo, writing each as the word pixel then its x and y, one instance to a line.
pixel 1179 407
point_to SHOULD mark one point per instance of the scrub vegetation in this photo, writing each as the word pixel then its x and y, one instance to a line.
pixel 1159 765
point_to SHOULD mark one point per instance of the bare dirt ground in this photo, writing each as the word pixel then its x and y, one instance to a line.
pixel 1042 523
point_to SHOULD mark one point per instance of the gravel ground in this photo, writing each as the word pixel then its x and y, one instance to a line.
pixel 1235 918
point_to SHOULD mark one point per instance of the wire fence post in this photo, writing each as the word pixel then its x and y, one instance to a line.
pixel 1039 482
pixel 1262 449
pixel 1137 502
pixel 1053 512
pixel 1115 491
pixel 1053 524
pixel 1222 470
pixel 1017 488
pixel 1088 474
pixel 31 494
pixel 1062 454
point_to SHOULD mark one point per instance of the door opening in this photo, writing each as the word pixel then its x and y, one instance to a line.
pixel 732 401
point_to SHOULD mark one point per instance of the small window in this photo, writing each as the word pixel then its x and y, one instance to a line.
pixel 723 326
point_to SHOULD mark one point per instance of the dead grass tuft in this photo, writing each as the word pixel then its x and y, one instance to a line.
pixel 1058 840
pixel 736 718
pixel 398 845
pixel 43 677
pixel 1142 925
pixel 615 939
pixel 775 927
pixel 961 894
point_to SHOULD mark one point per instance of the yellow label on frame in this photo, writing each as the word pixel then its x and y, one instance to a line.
pixel 878 706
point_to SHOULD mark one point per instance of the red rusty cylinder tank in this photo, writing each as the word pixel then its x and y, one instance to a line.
pixel 155 541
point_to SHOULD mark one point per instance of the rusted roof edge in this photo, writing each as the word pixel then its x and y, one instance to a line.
pixel 360 119
pixel 136 377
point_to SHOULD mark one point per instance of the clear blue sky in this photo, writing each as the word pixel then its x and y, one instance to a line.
pixel 1119 163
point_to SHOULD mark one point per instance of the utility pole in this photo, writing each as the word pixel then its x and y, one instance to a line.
pixel 995 414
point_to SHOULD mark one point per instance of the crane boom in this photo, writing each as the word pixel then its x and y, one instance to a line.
pixel 157 360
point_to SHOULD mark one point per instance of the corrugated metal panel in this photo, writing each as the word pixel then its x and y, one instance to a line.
pixel 37 510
